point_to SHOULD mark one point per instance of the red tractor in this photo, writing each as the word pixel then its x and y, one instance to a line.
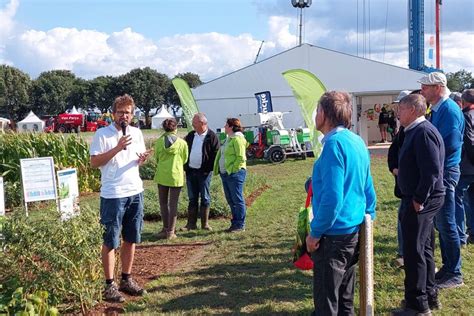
pixel 67 123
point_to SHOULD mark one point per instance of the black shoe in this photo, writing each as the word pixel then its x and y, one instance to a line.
pixel 433 303
pixel 410 312
pixel 440 274
pixel 449 281
pixel 131 287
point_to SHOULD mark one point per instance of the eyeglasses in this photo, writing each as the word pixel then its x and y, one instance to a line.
pixel 122 113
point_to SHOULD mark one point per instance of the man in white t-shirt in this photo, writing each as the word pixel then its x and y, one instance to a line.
pixel 118 150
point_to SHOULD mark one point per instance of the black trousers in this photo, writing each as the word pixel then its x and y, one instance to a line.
pixel 334 272
pixel 418 251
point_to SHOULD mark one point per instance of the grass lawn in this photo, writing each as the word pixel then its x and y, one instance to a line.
pixel 251 273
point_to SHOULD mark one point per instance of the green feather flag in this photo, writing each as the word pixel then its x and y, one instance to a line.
pixel 307 89
pixel 188 104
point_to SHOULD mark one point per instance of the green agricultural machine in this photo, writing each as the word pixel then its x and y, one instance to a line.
pixel 269 140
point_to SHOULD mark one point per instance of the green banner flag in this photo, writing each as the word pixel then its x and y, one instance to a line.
pixel 307 89
pixel 188 104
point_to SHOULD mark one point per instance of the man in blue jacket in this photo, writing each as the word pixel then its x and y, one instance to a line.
pixel 447 117
pixel 420 178
pixel 343 193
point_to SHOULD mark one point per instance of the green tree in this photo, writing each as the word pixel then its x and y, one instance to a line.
pixel 15 86
pixel 147 87
pixel 51 92
pixel 102 92
pixel 172 98
pixel 79 94
pixel 460 80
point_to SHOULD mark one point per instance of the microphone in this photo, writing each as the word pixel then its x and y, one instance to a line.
pixel 123 125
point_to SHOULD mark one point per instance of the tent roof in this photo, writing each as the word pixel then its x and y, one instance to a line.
pixel 336 70
pixel 74 110
pixel 163 113
pixel 2 119
pixel 31 118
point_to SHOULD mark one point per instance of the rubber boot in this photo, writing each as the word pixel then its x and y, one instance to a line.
pixel 205 218
pixel 192 219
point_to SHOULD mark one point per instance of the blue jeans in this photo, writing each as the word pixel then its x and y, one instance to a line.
pixel 446 225
pixel 198 184
pixel 461 195
pixel 234 194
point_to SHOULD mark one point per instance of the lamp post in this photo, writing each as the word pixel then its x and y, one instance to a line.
pixel 301 4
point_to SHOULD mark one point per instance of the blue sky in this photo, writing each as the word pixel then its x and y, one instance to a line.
pixel 210 37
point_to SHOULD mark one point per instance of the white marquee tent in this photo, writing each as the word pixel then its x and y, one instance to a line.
pixel 3 123
pixel 158 119
pixel 31 123
pixel 370 82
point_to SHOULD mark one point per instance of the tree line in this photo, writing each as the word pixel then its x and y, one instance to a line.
pixel 55 91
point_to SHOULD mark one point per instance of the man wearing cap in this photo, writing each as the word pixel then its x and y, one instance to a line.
pixel 448 119
pixel 467 171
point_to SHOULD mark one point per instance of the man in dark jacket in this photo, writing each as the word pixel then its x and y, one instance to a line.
pixel 203 145
pixel 467 170
pixel 420 178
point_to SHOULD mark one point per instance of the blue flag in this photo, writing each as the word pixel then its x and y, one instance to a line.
pixel 264 102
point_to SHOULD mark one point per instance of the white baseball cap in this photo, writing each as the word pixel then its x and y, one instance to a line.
pixel 401 95
pixel 434 78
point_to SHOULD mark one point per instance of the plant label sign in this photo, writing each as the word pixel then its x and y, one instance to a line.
pixel 39 182
pixel 68 193
pixel 2 198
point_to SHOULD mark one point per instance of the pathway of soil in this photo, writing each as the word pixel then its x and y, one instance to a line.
pixel 151 261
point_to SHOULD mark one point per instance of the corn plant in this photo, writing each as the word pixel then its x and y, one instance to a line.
pixel 68 152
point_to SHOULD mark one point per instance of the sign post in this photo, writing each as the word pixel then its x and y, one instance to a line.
pixel 38 179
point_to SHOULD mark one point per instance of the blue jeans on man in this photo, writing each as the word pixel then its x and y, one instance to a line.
pixel 463 195
pixel 445 222
pixel 234 193
pixel 198 184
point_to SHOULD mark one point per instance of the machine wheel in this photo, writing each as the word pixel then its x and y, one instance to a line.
pixel 62 129
pixel 276 154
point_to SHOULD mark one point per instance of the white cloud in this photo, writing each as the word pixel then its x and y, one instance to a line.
pixel 90 53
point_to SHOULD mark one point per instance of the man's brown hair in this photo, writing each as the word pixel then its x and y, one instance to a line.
pixel 337 108
pixel 124 100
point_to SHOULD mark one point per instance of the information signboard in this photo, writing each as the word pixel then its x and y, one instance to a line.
pixel 68 193
pixel 39 182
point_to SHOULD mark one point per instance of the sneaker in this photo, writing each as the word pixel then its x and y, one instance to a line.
pixel 449 281
pixel 131 287
pixel 410 312
pixel 112 294
pixel 235 230
pixel 398 261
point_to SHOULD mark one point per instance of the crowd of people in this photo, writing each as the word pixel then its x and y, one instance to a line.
pixel 119 149
pixel 431 157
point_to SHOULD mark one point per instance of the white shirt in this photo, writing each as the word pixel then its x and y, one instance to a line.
pixel 195 156
pixel 120 176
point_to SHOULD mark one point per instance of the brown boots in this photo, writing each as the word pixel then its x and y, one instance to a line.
pixel 192 218
pixel 205 218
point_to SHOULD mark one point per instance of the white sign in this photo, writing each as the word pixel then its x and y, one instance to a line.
pixel 2 198
pixel 39 182
pixel 68 193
